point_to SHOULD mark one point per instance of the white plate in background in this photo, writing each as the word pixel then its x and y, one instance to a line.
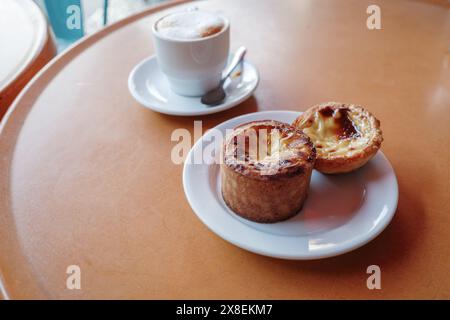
pixel 150 88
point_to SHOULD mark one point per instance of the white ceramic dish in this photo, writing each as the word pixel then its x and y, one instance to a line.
pixel 342 212
pixel 151 89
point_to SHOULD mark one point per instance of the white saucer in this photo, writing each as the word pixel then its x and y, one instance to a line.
pixel 150 88
pixel 342 212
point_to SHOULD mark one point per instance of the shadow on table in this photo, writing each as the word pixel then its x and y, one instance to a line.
pixel 248 106
pixel 391 247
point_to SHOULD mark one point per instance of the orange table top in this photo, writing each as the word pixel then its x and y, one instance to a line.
pixel 86 176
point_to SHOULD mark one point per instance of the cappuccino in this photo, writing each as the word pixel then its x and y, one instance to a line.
pixel 189 25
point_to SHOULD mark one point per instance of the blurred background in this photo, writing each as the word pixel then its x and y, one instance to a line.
pixel 94 14
pixel 35 31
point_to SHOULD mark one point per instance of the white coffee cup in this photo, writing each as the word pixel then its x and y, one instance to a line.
pixel 192 66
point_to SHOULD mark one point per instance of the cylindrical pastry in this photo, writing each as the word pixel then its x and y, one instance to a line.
pixel 346 136
pixel 266 170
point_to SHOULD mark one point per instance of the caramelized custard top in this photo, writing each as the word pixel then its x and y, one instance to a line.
pixel 344 127
pixel 338 129
pixel 268 148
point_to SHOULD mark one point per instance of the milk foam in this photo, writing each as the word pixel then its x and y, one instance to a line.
pixel 188 25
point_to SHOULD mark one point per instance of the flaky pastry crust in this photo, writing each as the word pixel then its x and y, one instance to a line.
pixel 266 181
pixel 346 136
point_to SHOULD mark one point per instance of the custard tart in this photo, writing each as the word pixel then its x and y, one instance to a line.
pixel 346 136
pixel 266 170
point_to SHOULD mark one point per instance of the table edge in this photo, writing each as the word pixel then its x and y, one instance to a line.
pixel 52 69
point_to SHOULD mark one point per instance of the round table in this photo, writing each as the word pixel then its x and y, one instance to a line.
pixel 86 177
pixel 26 46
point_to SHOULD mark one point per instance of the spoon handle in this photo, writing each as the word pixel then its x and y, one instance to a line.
pixel 237 58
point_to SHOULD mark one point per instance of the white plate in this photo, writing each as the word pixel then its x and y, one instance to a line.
pixel 342 212
pixel 150 88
